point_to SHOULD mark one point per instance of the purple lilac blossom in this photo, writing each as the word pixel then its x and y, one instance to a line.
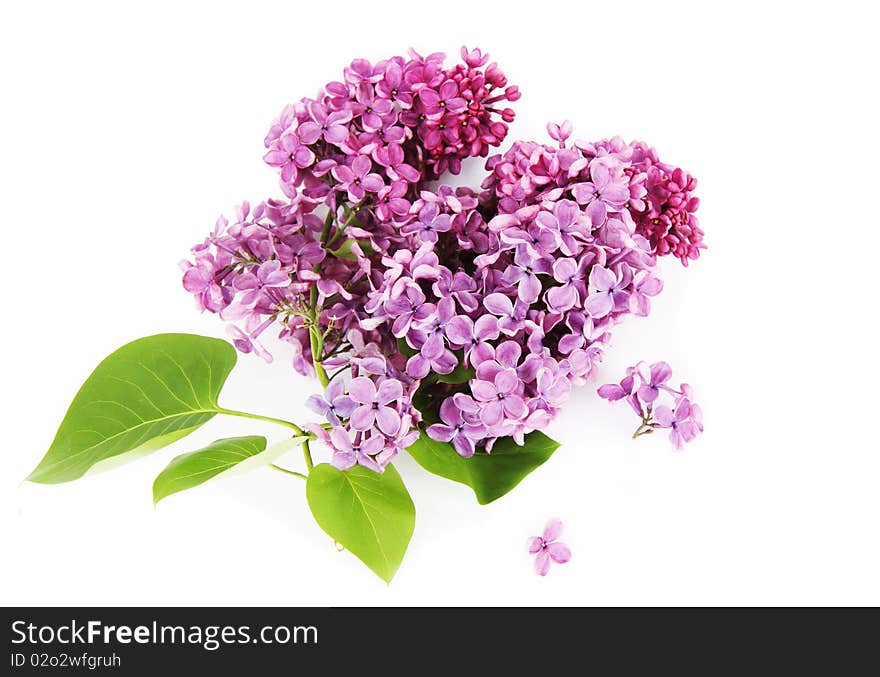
pixel 518 286
pixel 548 549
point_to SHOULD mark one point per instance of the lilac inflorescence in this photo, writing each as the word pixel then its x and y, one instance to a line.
pixel 645 388
pixel 472 313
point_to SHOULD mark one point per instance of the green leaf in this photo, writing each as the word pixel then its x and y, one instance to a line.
pixel 147 394
pixel 460 374
pixel 404 348
pixel 489 475
pixel 190 470
pixel 369 513
pixel 272 454
pixel 344 251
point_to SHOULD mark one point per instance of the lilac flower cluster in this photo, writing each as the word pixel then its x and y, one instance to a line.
pixel 471 314
pixel 642 388
pixel 370 416
pixel 388 126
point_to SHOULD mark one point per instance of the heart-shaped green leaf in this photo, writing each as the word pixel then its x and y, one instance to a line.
pixel 369 513
pixel 489 475
pixel 147 394
pixel 190 470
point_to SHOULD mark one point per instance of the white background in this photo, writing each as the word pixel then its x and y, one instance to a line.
pixel 126 131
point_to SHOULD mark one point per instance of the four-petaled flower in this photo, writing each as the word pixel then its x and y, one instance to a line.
pixel 332 127
pixel 499 398
pixel 456 429
pixel 335 405
pixel 374 404
pixel 429 223
pixel 361 452
pixel 524 274
pixel 357 179
pixel 607 291
pixel 547 548
pixel 685 421
pixel 605 192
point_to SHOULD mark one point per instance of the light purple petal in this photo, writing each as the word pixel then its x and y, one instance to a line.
pixel 336 134
pixel 362 390
pixel 612 392
pixel 663 416
pixel 464 446
pixel 362 418
pixel 388 420
pixel 492 413
pixel 440 432
pixel 372 183
pixel 343 460
pixel 506 381
pixel 553 529
pixel 599 305
pixel 559 552
pixel 660 373
pixel 529 289
pixel 460 330
pixel 515 407
pixel 417 366
pixel 542 563
pixel 498 304
pixel 508 353
pixel 390 390
pixel 602 279
pixel 483 390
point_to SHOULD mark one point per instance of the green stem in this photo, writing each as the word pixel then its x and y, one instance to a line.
pixel 316 341
pixel 644 429
pixel 328 223
pixel 340 230
pixel 257 417
pixel 307 454
pixel 288 472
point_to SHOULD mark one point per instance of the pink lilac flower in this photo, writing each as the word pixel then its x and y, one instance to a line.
pixel 603 193
pixel 684 421
pixel 607 291
pixel 357 179
pixel 374 404
pixel 524 274
pixel 429 224
pixel 362 451
pixel 290 155
pixel 660 373
pixel 511 317
pixel 331 126
pixel 548 549
pixel 499 398
pixel 335 404
pixel 408 307
pixel 391 201
pixel 463 332
pixel 455 428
